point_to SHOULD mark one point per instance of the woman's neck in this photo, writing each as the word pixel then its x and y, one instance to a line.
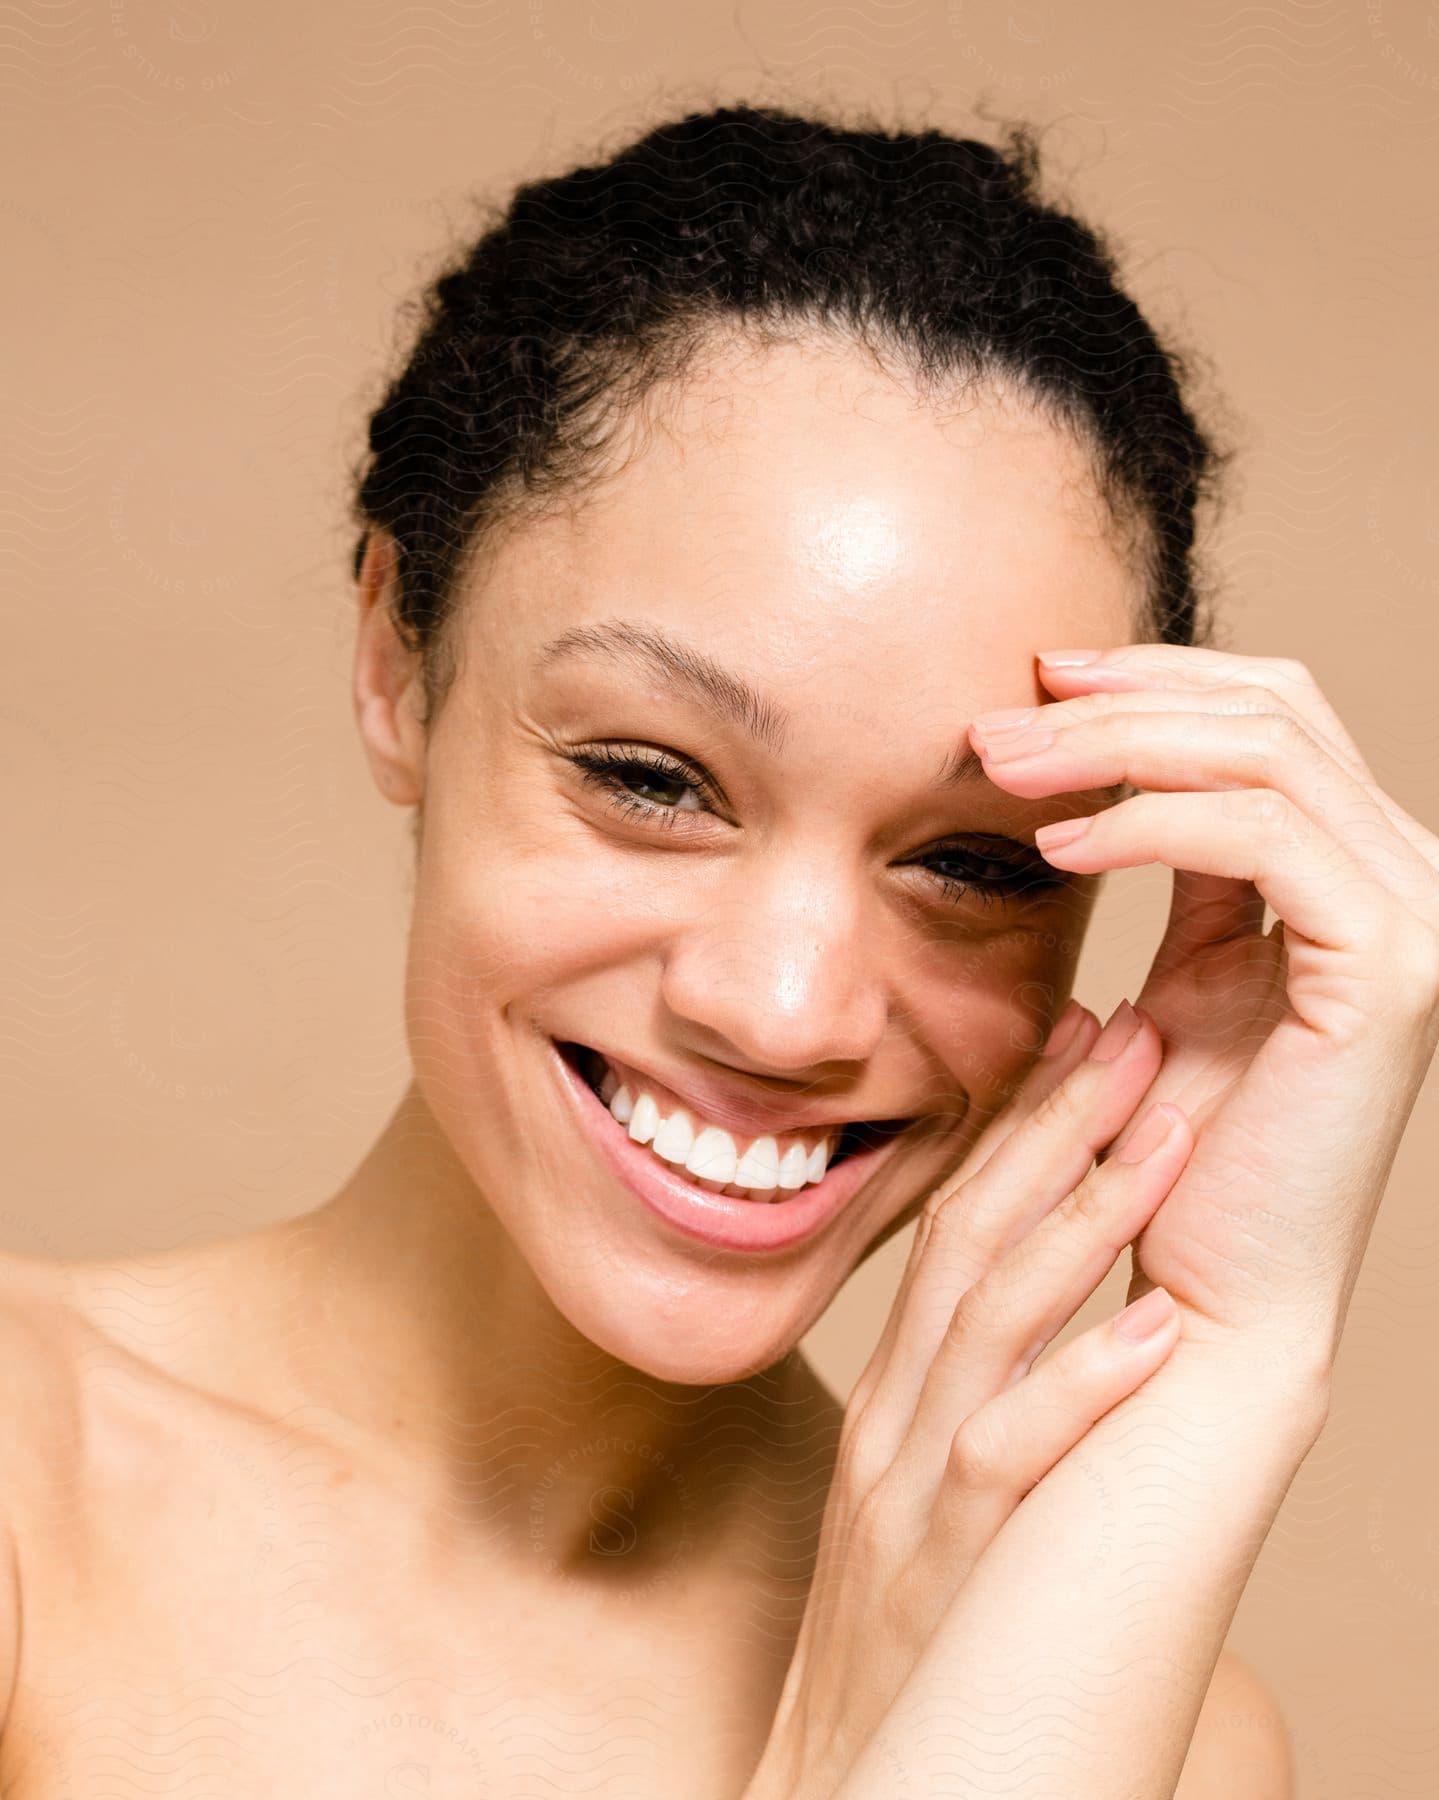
pixel 415 1325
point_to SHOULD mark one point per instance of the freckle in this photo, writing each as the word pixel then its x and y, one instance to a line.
pixel 338 1477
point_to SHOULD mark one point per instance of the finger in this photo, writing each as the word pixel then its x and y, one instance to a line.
pixel 1315 886
pixel 1003 1322
pixel 1011 1442
pixel 1171 751
pixel 1204 910
pixel 1207 910
pixel 1194 672
pixel 1075 1031
pixel 1201 676
pixel 1070 1041
pixel 978 1220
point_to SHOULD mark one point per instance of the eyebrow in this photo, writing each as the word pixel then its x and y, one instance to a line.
pixel 688 671
pixel 678 666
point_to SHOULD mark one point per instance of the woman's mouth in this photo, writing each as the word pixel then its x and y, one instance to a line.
pixel 729 1189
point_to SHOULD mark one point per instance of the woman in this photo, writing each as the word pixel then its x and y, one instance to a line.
pixel 730 488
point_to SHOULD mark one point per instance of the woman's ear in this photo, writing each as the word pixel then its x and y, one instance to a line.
pixel 388 685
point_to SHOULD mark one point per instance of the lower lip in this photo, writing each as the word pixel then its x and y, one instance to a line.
pixel 716 1219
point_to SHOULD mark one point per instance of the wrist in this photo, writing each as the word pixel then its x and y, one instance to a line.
pixel 1270 1390
pixel 771 1781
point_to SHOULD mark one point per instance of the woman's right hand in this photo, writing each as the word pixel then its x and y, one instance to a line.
pixel 951 1424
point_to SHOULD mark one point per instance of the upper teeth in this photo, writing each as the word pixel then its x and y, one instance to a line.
pixel 766 1165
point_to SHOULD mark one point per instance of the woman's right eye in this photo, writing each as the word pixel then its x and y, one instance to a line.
pixel 618 775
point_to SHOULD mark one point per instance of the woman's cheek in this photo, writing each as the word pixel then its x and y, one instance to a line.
pixel 506 925
pixel 987 1014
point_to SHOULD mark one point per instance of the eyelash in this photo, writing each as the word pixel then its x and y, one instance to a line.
pixel 601 769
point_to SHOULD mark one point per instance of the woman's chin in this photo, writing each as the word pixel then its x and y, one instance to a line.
pixel 693 1368
pixel 686 1338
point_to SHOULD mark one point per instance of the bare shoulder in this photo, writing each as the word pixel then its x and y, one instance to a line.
pixel 39 1419
pixel 40 1335
pixel 59 1361
pixel 1240 1749
pixel 84 1399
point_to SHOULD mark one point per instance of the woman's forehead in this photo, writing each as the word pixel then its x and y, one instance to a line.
pixel 801 505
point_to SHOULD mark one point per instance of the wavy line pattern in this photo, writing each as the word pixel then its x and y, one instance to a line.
pixel 216 216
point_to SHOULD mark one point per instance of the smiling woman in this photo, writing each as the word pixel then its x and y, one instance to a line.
pixel 730 486
pixel 743 851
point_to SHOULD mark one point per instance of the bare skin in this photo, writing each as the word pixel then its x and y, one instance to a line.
pixel 229 1592
pixel 200 1556
pixel 476 1478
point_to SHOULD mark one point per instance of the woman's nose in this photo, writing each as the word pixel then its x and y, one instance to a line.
pixel 784 974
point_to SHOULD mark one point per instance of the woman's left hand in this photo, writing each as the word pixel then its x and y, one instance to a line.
pixel 1297 1053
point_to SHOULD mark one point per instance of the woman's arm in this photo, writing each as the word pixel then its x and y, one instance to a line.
pixel 952 1421
pixel 1073 1651
pixel 1078 1654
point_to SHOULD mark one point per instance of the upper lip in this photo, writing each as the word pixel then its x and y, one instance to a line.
pixel 741 1114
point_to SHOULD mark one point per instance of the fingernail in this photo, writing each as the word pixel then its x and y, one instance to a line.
pixel 1146 1315
pixel 1149 1134
pixel 1062 832
pixel 1065 1026
pixel 1068 659
pixel 1123 1023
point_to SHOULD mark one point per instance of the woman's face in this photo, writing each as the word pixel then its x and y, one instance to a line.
pixel 684 806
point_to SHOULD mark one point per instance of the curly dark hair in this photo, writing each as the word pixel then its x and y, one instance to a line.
pixel 936 252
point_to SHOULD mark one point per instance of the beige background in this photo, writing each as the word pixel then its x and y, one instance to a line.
pixel 212 215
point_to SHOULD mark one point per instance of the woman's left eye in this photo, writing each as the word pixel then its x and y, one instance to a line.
pixel 992 878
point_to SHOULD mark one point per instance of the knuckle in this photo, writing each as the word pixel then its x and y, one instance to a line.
pixel 1065 1104
pixel 871 1529
pixel 988 1309
pixel 960 1245
pixel 1248 698
pixel 970 1230
pixel 1413 953
pixel 965 1321
pixel 859 1465
pixel 860 1396
pixel 1284 734
pixel 1271 811
pixel 945 1214
pixel 982 1451
pixel 942 1197
pixel 1068 1408
pixel 1422 953
pixel 1291 673
pixel 1091 1203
